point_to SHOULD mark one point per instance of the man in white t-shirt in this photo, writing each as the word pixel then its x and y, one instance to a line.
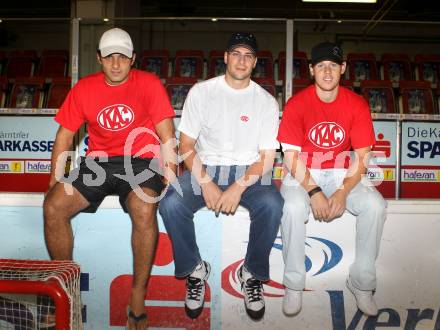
pixel 227 140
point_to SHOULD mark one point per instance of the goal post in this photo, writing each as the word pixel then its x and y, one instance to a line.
pixel 59 280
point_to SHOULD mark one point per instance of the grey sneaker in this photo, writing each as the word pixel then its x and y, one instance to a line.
pixel 195 289
pixel 253 294
pixel 364 299
pixel 292 301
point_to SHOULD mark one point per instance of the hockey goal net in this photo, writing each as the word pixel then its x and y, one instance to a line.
pixel 38 294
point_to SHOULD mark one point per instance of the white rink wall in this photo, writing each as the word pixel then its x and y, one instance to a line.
pixel 408 268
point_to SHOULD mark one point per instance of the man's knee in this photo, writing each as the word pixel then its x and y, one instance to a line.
pixel 266 208
pixel 296 206
pixel 50 210
pixel 148 210
pixel 273 200
pixel 374 202
pixel 138 207
pixel 57 203
pixel 169 202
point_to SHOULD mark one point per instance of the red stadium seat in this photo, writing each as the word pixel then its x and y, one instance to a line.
pixel 416 97
pixel 264 67
pixel 396 67
pixel 216 63
pixel 156 61
pixel 189 63
pixel 3 60
pixel 438 98
pixel 347 84
pixel 21 63
pixel 58 90
pixel 300 65
pixel 379 95
pixel 428 68
pixel 268 84
pixel 27 92
pixel 298 84
pixel 178 88
pixel 53 63
pixel 361 66
pixel 3 90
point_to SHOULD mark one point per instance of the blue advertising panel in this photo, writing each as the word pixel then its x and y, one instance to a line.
pixel 26 137
pixel 420 177
pixel 421 143
pixel 26 144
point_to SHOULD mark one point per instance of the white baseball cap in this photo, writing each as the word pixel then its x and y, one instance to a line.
pixel 116 41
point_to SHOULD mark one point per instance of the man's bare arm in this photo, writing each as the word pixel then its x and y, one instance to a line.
pixel 166 133
pixel 211 191
pixel 63 143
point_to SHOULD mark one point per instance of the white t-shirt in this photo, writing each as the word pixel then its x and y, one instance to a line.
pixel 230 125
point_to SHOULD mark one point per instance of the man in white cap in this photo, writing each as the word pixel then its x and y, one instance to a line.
pixel 129 116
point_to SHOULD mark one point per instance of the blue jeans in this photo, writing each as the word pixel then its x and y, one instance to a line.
pixel 262 200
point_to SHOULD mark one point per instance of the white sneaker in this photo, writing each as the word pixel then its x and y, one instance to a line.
pixel 195 289
pixel 364 300
pixel 253 294
pixel 292 302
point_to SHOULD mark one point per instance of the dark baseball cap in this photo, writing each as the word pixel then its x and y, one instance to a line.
pixel 242 39
pixel 327 51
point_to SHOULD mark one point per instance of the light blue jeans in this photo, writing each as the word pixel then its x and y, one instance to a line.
pixel 262 200
pixel 364 202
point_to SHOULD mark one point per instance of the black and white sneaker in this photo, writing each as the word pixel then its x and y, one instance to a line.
pixel 195 289
pixel 253 294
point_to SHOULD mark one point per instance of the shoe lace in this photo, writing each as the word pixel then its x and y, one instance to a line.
pixel 254 289
pixel 194 288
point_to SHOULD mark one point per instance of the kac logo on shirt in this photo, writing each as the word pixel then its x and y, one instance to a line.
pixel 244 119
pixel 115 117
pixel 327 135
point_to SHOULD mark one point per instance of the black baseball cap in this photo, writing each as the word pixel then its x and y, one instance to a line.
pixel 327 51
pixel 242 39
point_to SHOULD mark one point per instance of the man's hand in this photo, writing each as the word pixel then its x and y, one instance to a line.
pixel 211 194
pixel 229 200
pixel 337 203
pixel 320 206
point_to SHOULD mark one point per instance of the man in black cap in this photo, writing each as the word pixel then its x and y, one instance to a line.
pixel 320 126
pixel 228 139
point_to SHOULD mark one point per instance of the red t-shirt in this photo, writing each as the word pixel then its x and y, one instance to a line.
pixel 325 132
pixel 113 112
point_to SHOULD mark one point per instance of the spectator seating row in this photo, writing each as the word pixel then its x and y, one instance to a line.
pixel 26 63
pixel 414 97
pixel 360 66
pixel 394 67
pixel 190 63
pixel 34 92
pixel 410 97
